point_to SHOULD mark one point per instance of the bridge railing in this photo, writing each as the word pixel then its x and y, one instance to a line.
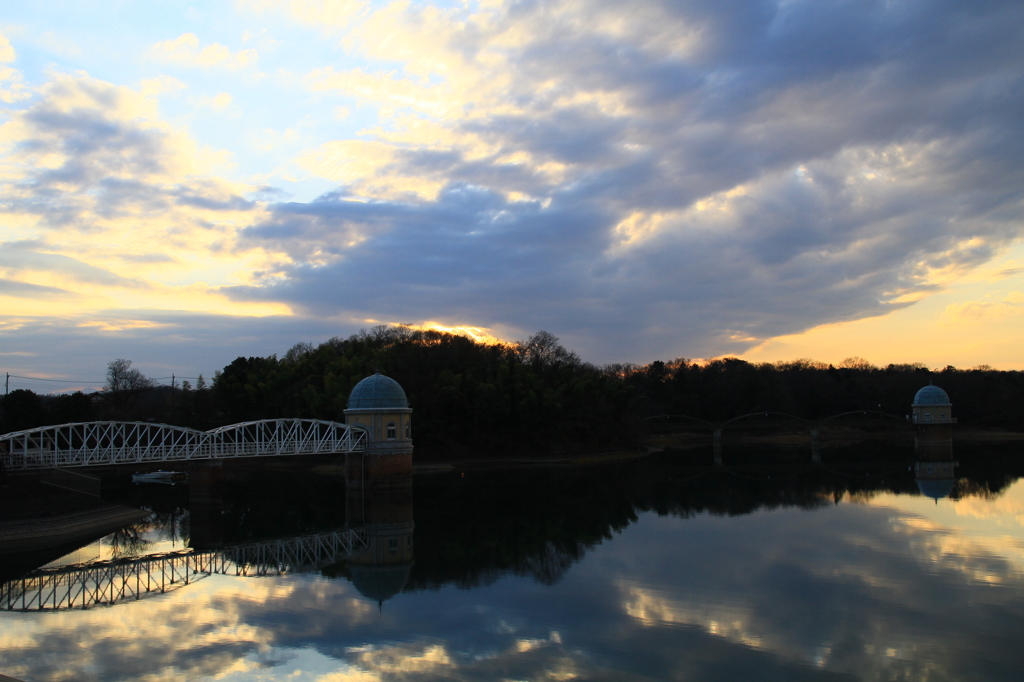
pixel 103 443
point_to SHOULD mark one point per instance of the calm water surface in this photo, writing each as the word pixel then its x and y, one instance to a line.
pixel 650 570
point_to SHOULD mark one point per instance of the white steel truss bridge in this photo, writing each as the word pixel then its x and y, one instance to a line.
pixel 104 583
pixel 103 443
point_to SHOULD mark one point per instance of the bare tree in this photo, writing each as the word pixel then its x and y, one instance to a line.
pixel 544 348
pixel 124 382
pixel 298 351
pixel 856 362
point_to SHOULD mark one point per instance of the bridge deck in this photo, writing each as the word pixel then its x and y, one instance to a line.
pixel 104 443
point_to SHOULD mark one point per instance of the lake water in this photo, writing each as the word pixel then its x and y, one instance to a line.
pixel 663 568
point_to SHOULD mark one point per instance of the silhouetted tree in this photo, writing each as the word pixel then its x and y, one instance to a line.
pixel 71 407
pixel 21 409
pixel 124 384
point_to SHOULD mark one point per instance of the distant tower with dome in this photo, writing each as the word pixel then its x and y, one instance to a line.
pixel 378 405
pixel 378 481
pixel 932 417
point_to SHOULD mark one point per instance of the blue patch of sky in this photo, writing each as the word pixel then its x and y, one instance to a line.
pixel 112 42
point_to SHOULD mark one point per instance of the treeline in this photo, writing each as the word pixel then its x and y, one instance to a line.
pixel 729 387
pixel 533 396
pixel 23 409
pixel 468 397
pixel 127 395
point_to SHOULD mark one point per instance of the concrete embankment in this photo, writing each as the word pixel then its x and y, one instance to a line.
pixel 23 535
pixel 39 523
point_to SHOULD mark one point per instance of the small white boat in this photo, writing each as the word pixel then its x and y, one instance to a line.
pixel 166 477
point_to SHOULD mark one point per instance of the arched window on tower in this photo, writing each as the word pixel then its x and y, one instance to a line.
pixel 392 431
pixel 408 431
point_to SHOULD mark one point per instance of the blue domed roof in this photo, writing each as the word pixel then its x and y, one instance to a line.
pixel 931 395
pixel 936 489
pixel 377 391
pixel 380 583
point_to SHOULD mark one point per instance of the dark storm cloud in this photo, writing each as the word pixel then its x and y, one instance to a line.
pixel 871 142
pixel 466 248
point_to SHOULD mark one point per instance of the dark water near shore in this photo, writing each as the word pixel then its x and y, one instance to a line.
pixel 771 567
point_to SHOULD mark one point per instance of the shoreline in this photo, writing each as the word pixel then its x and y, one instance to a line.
pixel 436 462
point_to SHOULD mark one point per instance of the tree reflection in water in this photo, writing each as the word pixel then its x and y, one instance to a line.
pixel 685 578
pixel 129 541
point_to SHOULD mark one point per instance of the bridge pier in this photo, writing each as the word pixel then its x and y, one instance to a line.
pixel 815 444
pixel 717 438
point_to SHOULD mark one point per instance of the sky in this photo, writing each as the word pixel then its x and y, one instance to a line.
pixel 184 184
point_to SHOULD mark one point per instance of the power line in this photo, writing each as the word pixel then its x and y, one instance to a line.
pixel 63 381
pixel 79 382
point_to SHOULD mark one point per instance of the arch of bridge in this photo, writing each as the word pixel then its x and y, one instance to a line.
pixel 104 443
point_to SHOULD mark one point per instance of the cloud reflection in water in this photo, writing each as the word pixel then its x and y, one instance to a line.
pixel 871 591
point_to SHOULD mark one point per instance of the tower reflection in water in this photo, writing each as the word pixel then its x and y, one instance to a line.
pixel 378 487
pixel 381 569
pixel 934 466
pixel 379 511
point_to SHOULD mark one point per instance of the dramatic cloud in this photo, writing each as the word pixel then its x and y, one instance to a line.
pixel 103 199
pixel 682 178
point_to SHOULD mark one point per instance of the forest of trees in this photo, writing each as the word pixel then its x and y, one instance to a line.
pixel 467 397
pixel 728 387
pixel 533 396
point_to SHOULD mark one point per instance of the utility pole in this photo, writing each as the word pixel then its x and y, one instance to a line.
pixel 7 383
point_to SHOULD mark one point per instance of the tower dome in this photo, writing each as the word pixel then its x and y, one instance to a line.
pixel 377 391
pixel 378 407
pixel 933 414
pixel 931 395
pixel 379 583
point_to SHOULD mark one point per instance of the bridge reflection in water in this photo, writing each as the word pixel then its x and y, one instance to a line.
pixel 375 546
pixel 109 582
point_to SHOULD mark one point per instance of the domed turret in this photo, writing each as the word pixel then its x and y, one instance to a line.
pixel 379 407
pixel 936 489
pixel 377 391
pixel 932 395
pixel 380 583
pixel 932 415
pixel 932 406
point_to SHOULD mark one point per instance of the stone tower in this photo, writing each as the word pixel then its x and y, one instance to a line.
pixel 378 405
pixel 932 417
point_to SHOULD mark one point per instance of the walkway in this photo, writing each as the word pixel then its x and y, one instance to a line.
pixel 104 443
